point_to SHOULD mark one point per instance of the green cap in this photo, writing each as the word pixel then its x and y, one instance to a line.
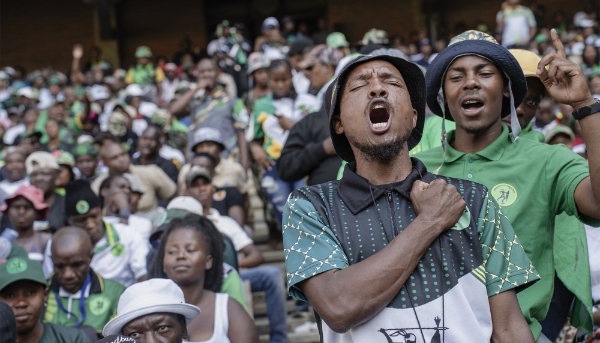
pixel 337 40
pixel 85 149
pixel 558 129
pixel 143 51
pixel 20 268
pixel 64 157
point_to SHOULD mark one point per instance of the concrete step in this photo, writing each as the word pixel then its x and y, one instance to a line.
pixel 311 337
pixel 260 308
pixel 292 322
pixel 273 256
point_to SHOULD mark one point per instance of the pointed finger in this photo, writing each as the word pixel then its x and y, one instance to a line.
pixel 558 46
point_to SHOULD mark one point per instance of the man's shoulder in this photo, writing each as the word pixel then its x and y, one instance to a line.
pixel 321 193
pixel 112 287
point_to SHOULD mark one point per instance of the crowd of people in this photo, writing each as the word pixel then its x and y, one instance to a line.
pixel 423 187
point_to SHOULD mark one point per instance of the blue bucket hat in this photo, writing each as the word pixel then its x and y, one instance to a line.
pixel 415 83
pixel 483 45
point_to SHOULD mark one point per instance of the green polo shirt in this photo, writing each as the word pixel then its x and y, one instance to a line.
pixel 533 183
pixel 528 133
pixel 100 304
pixel 432 134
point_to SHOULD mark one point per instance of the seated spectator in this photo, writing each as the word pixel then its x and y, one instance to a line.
pixel 262 278
pixel 54 142
pixel 272 44
pixel 144 73
pixel 227 172
pixel 308 152
pixel 86 161
pixel 78 295
pixel 153 311
pixel 560 134
pixel 189 208
pixel 115 200
pixel 23 288
pixel 22 209
pixel 211 107
pixel 27 123
pixel 227 200
pixel 170 83
pixel 191 254
pixel 155 183
pixel 119 252
pixel 66 162
pixel 43 171
pixel 321 63
pixel 176 136
pixel 299 49
pixel 14 171
pixel 258 73
pixel 274 116
pixel 149 145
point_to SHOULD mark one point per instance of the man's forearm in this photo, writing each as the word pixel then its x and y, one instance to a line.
pixel 179 105
pixel 351 296
pixel 243 146
pixel 590 126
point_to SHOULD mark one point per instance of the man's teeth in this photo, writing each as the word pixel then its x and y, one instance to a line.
pixel 378 106
pixel 379 125
pixel 468 102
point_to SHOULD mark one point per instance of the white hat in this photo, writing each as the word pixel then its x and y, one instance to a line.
pixel 98 92
pixel 586 23
pixel 28 92
pixel 134 90
pixel 270 23
pixel 186 203
pixel 147 297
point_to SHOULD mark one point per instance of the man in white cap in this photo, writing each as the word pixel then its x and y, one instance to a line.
pixel 152 311
pixel 272 43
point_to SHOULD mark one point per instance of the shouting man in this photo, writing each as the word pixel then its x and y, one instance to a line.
pixel 391 249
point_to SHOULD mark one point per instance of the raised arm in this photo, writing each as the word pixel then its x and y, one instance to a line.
pixel 348 297
pixel 179 105
pixel 566 83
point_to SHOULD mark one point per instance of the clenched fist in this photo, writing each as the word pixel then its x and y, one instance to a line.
pixel 439 202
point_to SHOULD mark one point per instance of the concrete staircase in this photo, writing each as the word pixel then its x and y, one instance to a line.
pixel 274 257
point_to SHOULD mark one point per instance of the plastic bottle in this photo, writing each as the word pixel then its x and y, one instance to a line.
pixel 6 240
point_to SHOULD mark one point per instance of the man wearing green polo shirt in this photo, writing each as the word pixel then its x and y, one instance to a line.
pixel 79 296
pixel 475 82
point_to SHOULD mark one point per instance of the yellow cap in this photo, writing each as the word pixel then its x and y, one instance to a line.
pixel 528 61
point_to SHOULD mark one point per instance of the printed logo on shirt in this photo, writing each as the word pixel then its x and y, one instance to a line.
pixel 220 195
pixel 504 194
pixel 16 265
pixel 99 304
pixel 82 207
pixel 117 250
pixel 464 221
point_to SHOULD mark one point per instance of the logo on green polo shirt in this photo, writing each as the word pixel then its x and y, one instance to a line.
pixel 99 304
pixel 16 265
pixel 117 250
pixel 504 194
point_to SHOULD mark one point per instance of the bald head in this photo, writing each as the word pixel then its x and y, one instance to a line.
pixel 71 255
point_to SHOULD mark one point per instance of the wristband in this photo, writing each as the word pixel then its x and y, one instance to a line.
pixel 586 111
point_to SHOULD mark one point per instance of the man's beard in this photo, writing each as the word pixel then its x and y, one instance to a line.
pixel 385 152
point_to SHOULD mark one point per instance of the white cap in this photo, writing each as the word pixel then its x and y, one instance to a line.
pixel 28 93
pixel 98 92
pixel 270 21
pixel 134 90
pixel 186 203
pixel 586 23
pixel 147 297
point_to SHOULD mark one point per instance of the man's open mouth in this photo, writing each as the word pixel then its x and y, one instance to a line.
pixel 379 116
pixel 472 106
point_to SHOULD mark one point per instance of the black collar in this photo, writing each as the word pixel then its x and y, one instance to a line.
pixel 96 286
pixel 355 190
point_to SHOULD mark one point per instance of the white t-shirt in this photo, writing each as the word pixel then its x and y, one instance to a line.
pixel 517 22
pixel 119 256
pixel 13 132
pixel 300 81
pixel 231 228
pixel 141 225
pixel 9 188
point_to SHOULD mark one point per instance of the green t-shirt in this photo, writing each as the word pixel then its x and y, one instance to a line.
pixel 533 183
pixel 100 305
pixel 232 285
pixel 54 333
